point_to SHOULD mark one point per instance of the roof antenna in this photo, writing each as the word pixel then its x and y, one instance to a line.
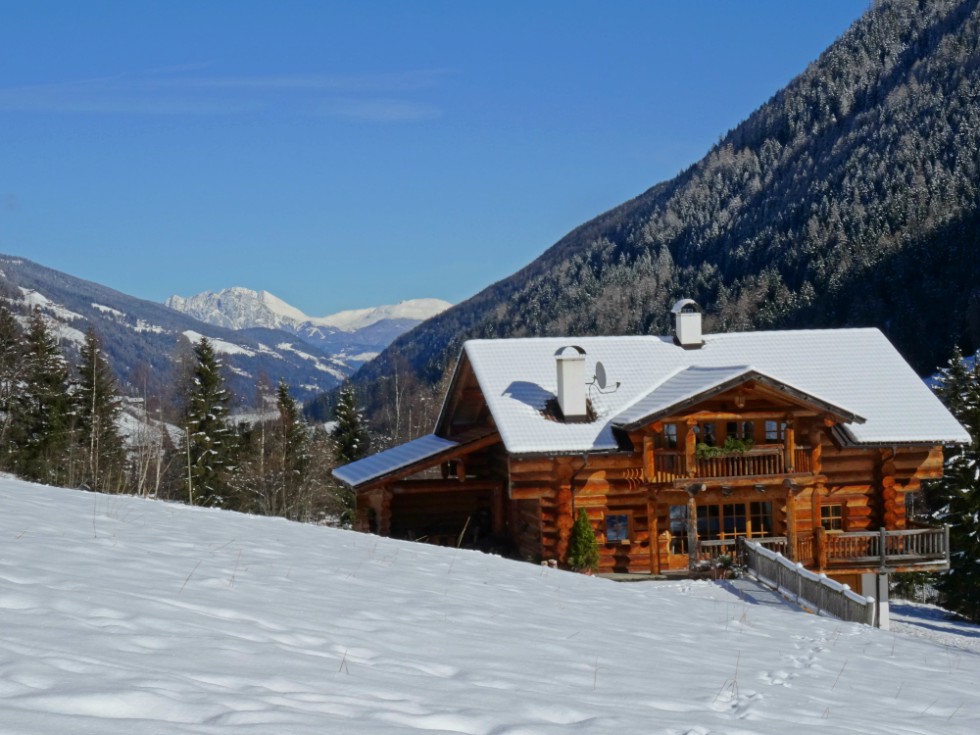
pixel 600 380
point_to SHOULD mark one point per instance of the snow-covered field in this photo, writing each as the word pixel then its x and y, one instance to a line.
pixel 121 615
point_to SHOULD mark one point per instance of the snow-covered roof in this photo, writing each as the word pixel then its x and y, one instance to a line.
pixel 695 383
pixel 857 372
pixel 383 463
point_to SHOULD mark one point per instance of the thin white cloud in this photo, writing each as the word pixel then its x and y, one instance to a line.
pixel 376 97
pixel 378 110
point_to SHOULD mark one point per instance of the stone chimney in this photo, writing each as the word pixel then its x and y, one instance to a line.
pixel 571 382
pixel 687 324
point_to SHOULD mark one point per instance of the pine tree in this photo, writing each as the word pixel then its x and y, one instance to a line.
pixel 209 442
pixel 350 442
pixel 583 548
pixel 98 407
pixel 43 420
pixel 957 496
pixel 292 455
pixel 11 372
pixel 350 436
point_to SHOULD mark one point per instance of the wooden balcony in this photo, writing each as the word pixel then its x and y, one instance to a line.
pixel 762 461
pixel 920 549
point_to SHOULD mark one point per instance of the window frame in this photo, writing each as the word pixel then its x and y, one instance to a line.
pixel 627 515
pixel 830 521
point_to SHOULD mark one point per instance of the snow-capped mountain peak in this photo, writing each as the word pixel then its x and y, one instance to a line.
pixel 356 335
pixel 416 310
pixel 243 308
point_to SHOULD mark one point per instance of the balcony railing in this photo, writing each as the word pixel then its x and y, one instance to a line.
pixel 763 461
pixel 905 549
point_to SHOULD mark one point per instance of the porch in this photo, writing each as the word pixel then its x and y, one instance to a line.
pixel 919 549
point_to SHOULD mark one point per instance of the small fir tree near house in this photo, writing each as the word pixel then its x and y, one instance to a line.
pixel 583 548
pixel 956 497
pixel 350 442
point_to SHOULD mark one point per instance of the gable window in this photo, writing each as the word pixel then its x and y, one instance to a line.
pixel 775 431
pixel 832 517
pixel 617 528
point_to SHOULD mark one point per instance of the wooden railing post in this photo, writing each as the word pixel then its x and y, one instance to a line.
pixel 883 552
pixel 693 543
pixel 820 546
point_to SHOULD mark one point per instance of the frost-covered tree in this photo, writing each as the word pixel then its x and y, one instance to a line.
pixel 350 442
pixel 350 437
pixel 97 400
pixel 957 496
pixel 209 442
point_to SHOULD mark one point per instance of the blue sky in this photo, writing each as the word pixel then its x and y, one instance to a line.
pixel 343 155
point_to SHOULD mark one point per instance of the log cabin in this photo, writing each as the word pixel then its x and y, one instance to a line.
pixel 808 441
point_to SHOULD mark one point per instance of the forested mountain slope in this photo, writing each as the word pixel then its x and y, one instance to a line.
pixel 849 198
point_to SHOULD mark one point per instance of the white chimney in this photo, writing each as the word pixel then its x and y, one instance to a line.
pixel 687 324
pixel 571 382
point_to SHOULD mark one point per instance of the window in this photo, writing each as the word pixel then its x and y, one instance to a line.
pixel 678 529
pixel 832 517
pixel 775 431
pixel 670 436
pixel 760 516
pixel 617 527
pixel 740 429
pixel 708 436
pixel 731 520
pixel 709 522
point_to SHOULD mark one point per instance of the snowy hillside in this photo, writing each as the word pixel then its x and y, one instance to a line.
pixel 128 616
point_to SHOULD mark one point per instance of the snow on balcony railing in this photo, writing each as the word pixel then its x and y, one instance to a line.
pixel 817 591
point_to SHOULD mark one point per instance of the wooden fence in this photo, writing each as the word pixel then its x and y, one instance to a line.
pixel 806 588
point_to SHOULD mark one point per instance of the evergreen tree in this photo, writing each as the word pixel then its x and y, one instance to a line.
pixel 292 453
pixel 957 496
pixel 209 441
pixel 98 407
pixel 583 548
pixel 11 372
pixel 350 437
pixel 43 421
pixel 350 442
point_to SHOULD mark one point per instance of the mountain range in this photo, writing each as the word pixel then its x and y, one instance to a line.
pixel 850 198
pixel 145 341
pixel 353 336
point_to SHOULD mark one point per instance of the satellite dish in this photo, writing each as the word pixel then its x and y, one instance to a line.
pixel 600 375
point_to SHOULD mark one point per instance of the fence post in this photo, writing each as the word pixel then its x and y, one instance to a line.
pixel 883 552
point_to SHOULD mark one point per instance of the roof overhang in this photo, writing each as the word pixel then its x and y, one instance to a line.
pixel 408 458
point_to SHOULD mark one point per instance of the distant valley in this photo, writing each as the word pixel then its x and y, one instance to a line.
pixel 257 335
